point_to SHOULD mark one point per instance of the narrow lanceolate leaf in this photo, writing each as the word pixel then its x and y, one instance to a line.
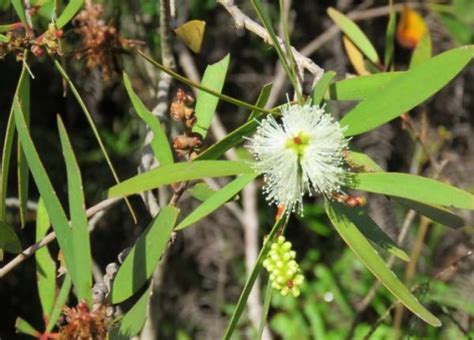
pixel 69 12
pixel 416 188
pixel 159 144
pixel 353 32
pixel 251 279
pixel 53 206
pixel 93 128
pixel 144 256
pixel 362 87
pixel 234 138
pixel 372 232
pixel 79 224
pixel 59 303
pixel 8 144
pixel 434 212
pixel 372 260
pixel 390 37
pixel 214 78
pixel 133 321
pixel 10 27
pixel 355 56
pixel 45 264
pixel 3 38
pixel 178 172
pixel 9 240
pixel 261 100
pixel 23 326
pixel 218 199
pixel 322 86
pixel 201 191
pixel 407 91
pixel 23 96
pixel 20 11
pixel 422 52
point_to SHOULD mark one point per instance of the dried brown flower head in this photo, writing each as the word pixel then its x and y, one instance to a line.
pixel 83 324
pixel 18 41
pixel 100 42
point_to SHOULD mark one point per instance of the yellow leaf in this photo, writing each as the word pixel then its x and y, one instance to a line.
pixel 355 56
pixel 411 28
pixel 191 34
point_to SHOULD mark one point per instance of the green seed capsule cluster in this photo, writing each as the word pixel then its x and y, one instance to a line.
pixel 284 271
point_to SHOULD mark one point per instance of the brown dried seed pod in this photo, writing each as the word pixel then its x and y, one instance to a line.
pixel 181 142
pixel 177 110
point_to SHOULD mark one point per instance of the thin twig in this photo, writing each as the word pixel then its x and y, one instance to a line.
pixel 99 207
pixel 13 202
pixel 241 21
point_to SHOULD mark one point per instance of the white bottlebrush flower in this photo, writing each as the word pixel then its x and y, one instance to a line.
pixel 302 154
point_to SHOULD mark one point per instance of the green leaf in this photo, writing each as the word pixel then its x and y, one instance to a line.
pixel 321 87
pixel 20 11
pixel 53 206
pixel 159 144
pixel 7 146
pixel 390 37
pixel 422 52
pixel 79 223
pixel 370 258
pixel 239 308
pixel 59 302
pixel 360 159
pixel 9 240
pixel 3 38
pixel 436 213
pixel 261 100
pixel 353 32
pixel 460 31
pixel 232 139
pixel 316 320
pixel 145 255
pixel 10 27
pixel 93 128
pixel 178 172
pixel 416 188
pixel 219 198
pixel 201 191
pixel 23 96
pixel 214 78
pixel 407 91
pixel 236 137
pixel 133 321
pixel 23 326
pixel 265 308
pixel 372 232
pixel 363 87
pixel 69 12
pixel 45 264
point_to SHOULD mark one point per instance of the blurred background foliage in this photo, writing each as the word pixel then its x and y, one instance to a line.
pixel 205 269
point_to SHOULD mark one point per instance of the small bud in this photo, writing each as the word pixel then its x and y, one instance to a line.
pixel 59 34
pixel 37 50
